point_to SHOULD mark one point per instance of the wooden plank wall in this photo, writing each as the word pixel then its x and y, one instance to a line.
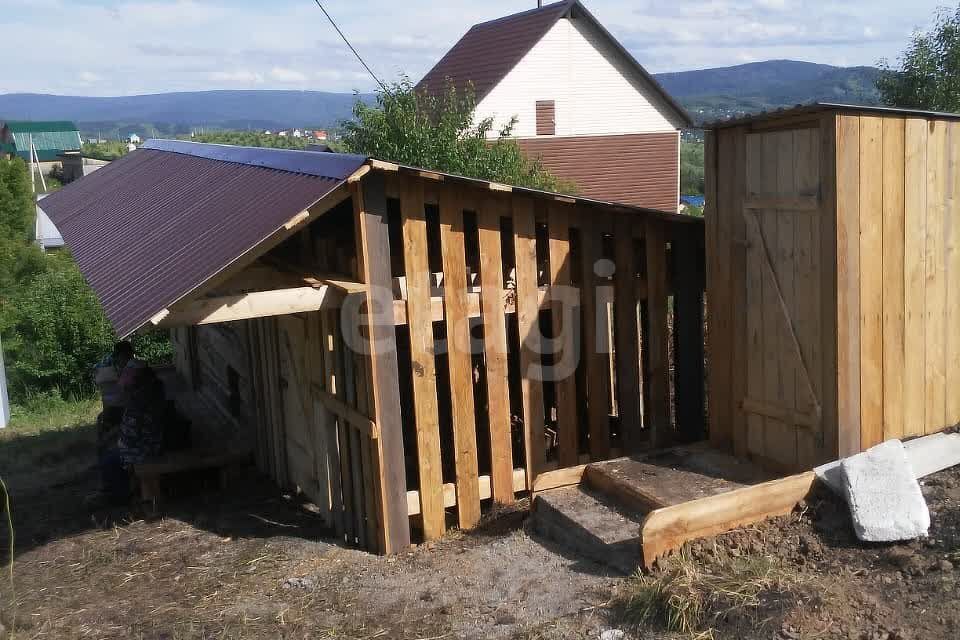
pixel 909 287
pixel 858 217
pixel 526 422
pixel 764 296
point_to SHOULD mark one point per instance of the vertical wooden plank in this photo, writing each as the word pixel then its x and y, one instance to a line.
pixel 848 284
pixel 871 281
pixel 952 237
pixel 892 279
pixel 457 314
pixel 826 227
pixel 737 349
pixel 565 337
pixel 347 479
pixel 719 300
pixel 936 289
pixel 715 208
pixel 661 433
pixel 595 349
pixel 771 314
pixel 808 292
pixel 420 323
pixel 528 313
pixel 328 424
pixel 370 211
pixel 688 328
pixel 495 348
pixel 782 441
pixel 914 276
pixel 755 335
pixel 627 333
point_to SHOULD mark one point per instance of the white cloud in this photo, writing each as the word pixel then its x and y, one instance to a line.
pixel 122 47
pixel 287 76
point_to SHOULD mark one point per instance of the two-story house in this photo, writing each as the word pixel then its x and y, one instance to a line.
pixel 583 104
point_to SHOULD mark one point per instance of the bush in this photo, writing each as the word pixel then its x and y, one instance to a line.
pixel 57 332
pixel 438 132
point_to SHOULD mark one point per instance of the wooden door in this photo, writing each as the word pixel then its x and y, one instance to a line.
pixel 297 407
pixel 782 216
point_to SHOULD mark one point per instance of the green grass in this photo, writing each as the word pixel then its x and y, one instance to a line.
pixel 44 434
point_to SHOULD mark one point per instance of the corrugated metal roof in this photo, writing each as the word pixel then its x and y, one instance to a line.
pixel 151 227
pixel 822 107
pixel 49 138
pixel 490 50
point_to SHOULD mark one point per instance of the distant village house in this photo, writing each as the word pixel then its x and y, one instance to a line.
pixel 49 139
pixel 583 104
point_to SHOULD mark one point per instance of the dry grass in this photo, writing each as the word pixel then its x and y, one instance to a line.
pixel 690 597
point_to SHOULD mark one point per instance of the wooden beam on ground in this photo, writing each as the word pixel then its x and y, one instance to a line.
pixel 370 210
pixel 667 529
pixel 258 304
pixel 559 478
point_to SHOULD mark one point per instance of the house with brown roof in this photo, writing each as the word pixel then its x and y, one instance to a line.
pixel 582 102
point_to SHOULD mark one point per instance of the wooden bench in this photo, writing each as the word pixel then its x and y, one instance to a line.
pixel 150 473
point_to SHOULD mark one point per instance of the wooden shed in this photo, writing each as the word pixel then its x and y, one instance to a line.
pixel 399 344
pixel 833 251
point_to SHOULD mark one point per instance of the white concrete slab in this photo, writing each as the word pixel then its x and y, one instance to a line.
pixel 884 496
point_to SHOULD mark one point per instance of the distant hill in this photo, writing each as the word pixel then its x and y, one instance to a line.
pixel 707 94
pixel 167 113
pixel 758 86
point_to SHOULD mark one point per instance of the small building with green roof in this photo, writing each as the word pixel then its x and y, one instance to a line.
pixel 50 139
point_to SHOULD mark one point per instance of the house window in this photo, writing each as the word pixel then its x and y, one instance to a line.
pixel 546 118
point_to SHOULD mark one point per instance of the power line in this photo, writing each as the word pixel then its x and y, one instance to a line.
pixel 355 52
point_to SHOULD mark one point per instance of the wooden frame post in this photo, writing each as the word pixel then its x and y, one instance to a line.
pixel 373 256
pixel 688 328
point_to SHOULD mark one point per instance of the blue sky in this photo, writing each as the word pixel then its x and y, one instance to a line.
pixel 117 47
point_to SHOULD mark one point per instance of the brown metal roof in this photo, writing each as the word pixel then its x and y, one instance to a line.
pixel 815 108
pixel 490 50
pixel 151 227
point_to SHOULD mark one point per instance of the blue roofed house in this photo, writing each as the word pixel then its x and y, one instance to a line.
pixel 50 139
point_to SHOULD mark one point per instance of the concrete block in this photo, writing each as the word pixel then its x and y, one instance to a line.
pixel 884 496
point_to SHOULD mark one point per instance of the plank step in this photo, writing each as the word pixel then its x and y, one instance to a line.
pixel 585 524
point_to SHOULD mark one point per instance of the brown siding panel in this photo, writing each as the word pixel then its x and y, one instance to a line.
pixel 638 169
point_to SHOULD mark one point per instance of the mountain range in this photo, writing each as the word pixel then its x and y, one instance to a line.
pixel 706 93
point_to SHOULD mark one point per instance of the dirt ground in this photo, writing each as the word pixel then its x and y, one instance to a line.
pixel 255 563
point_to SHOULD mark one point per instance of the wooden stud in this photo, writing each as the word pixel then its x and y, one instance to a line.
pixel 420 323
pixel 951 228
pixel 848 283
pixel 755 370
pixel 736 349
pixel 495 349
pixel 328 423
pixel 627 335
pixel 782 441
pixel 936 290
pixel 370 211
pixel 688 328
pixel 658 334
pixel 828 282
pixel 595 347
pixel 565 337
pixel 459 356
pixel 914 276
pixel 892 277
pixel 808 294
pixel 871 281
pixel 528 313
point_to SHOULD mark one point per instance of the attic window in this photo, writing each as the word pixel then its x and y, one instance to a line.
pixel 546 118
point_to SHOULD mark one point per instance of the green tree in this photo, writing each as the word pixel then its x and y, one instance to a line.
pixel 691 168
pixel 928 75
pixel 437 131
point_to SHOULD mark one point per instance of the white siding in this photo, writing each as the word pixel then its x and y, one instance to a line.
pixel 594 87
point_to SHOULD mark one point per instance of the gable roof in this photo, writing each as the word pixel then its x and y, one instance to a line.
pixel 149 228
pixel 490 50
pixel 49 138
